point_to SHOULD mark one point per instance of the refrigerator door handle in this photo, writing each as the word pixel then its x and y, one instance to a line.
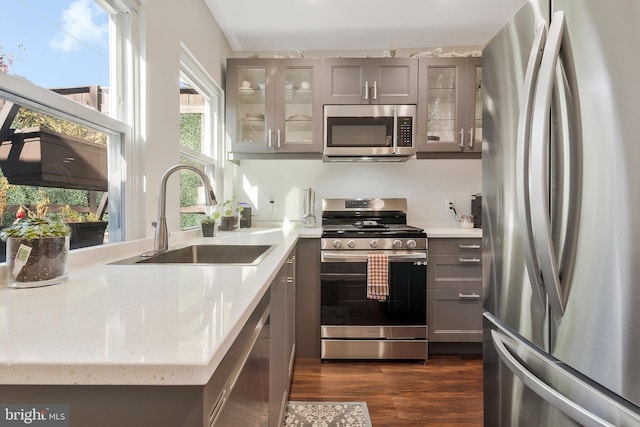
pixel 565 204
pixel 522 157
pixel 539 172
pixel 546 392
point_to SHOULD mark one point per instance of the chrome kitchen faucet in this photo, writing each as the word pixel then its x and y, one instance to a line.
pixel 161 236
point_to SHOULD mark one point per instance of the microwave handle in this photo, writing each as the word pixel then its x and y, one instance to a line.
pixel 366 90
pixel 395 129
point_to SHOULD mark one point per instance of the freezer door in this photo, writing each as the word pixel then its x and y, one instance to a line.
pixel 537 390
pixel 512 285
pixel 599 334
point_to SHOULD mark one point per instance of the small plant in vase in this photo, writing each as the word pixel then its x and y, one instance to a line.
pixel 37 248
pixel 208 224
pixel 230 215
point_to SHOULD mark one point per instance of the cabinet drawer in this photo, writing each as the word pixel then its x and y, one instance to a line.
pixel 455 246
pixel 455 272
pixel 455 316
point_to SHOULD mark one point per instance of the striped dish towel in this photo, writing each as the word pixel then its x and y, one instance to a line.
pixel 378 276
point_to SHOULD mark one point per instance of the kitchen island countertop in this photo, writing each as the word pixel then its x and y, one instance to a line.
pixel 136 324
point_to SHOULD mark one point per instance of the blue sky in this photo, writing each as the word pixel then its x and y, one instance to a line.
pixel 56 43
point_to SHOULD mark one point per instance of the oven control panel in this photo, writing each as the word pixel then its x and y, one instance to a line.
pixel 373 243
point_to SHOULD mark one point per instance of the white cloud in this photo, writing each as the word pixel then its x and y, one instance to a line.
pixel 80 27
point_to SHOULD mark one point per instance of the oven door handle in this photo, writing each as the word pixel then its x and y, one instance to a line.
pixel 350 256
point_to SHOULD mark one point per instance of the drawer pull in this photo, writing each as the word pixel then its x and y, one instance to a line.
pixel 469 246
pixel 470 260
pixel 468 296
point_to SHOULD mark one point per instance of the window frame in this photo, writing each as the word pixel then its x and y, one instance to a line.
pixel 123 94
pixel 212 152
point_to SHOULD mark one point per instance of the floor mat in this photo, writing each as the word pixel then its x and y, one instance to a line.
pixel 327 414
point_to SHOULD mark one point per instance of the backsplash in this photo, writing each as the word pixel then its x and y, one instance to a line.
pixel 426 184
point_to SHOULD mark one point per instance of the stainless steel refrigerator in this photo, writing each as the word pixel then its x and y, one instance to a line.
pixel 561 216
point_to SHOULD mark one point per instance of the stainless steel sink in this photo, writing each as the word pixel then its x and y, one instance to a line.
pixel 206 254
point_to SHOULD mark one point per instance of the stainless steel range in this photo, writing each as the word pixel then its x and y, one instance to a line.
pixel 354 326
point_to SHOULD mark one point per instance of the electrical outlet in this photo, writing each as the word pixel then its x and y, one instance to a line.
pixel 449 204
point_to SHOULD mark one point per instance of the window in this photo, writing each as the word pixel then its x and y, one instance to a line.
pixel 93 38
pixel 201 136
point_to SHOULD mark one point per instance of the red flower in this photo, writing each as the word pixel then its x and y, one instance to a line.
pixel 20 213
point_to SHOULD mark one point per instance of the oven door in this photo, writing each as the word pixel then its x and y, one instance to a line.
pixel 346 310
pixel 355 327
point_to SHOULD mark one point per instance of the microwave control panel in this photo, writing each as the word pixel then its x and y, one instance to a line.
pixel 405 131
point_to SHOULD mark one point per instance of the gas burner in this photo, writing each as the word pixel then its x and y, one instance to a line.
pixel 370 225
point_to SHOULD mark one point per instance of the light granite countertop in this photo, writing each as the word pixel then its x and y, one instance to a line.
pixel 136 324
pixel 141 324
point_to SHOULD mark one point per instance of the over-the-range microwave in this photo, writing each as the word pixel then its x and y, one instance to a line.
pixel 369 132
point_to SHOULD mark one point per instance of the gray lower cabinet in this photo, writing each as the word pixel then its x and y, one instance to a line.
pixel 283 344
pixel 454 293
pixel 238 393
pixel 308 299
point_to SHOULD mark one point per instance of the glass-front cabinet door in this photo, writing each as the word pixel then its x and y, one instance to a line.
pixel 450 105
pixel 273 105
pixel 474 104
pixel 299 110
pixel 248 106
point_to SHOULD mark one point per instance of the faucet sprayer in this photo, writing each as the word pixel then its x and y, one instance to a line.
pixel 161 236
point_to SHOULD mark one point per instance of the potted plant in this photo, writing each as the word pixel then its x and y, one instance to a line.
pixel 37 248
pixel 208 224
pixel 230 219
pixel 86 229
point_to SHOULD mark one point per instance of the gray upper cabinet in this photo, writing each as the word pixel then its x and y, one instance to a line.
pixel 274 105
pixel 370 81
pixel 450 107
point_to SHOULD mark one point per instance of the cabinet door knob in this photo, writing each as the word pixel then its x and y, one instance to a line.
pixel 470 260
pixel 461 144
pixel 468 296
pixel 366 90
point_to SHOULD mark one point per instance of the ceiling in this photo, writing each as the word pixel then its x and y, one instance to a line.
pixel 309 25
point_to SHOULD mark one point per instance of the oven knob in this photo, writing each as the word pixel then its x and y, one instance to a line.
pixel 351 243
pixel 374 244
pixel 337 244
pixel 397 243
pixel 411 244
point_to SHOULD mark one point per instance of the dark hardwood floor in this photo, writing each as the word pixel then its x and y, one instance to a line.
pixel 447 391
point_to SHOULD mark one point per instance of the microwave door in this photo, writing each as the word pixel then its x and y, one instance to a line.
pixel 360 135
